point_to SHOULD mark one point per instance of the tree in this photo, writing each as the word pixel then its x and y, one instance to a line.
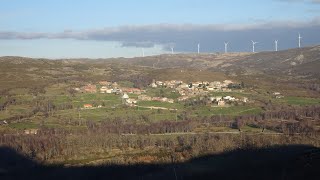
pixel 242 84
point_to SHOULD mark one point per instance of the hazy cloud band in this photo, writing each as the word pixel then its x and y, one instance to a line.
pixel 186 35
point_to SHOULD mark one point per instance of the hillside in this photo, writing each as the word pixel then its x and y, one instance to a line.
pixel 304 61
pixel 71 116
pixel 283 62
pixel 299 64
pixel 279 162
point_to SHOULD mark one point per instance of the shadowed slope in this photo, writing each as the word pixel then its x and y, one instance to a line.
pixel 281 162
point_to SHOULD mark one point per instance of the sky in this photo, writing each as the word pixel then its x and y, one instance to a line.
pixel 122 28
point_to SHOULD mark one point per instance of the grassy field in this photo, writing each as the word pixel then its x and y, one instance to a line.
pixel 102 114
pixel 232 111
pixel 4 115
pixel 24 125
pixel 301 101
pixel 79 100
pixel 160 104
pixel 163 92
pixel 15 110
pixel 113 107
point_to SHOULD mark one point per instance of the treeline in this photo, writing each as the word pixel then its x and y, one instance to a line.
pixel 120 127
pixel 312 87
pixel 47 147
pixel 282 120
pixel 4 105
pixel 42 147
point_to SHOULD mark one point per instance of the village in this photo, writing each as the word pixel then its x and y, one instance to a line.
pixel 131 96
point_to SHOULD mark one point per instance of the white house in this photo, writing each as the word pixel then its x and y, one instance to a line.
pixel 221 103
pixel 125 96
pixel 109 91
pixel 154 85
pixel 103 89
pixel 229 98
pixel 131 101
pixel 217 98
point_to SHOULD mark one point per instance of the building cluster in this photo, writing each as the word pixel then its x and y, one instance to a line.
pixel 160 99
pixel 108 88
pixel 224 100
pixel 186 90
pixel 277 95
pixel 193 87
pixel 143 97
pixel 31 131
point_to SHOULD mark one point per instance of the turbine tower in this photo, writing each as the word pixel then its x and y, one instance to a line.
pixel 253 45
pixel 300 40
pixel 226 47
pixel 276 44
pixel 142 52
pixel 199 48
pixel 172 50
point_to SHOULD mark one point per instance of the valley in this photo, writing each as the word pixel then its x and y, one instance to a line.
pixel 159 109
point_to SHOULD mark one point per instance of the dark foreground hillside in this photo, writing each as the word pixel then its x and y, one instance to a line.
pixel 279 162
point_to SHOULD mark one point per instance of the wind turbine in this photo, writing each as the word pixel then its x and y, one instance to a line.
pixel 276 44
pixel 300 40
pixel 226 47
pixel 172 50
pixel 199 48
pixel 253 45
pixel 142 52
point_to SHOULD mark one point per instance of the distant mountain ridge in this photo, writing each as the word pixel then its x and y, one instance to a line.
pixel 300 61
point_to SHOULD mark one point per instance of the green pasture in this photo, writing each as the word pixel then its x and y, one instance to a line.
pixel 302 101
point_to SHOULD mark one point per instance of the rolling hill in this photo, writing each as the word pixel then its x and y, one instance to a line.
pixel 301 64
pixel 304 61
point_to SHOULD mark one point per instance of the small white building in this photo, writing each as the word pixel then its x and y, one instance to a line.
pixel 125 96
pixel 154 85
pixel 276 93
pixel 210 88
pixel 217 98
pixel 160 83
pixel 103 89
pixel 221 103
pixel 170 101
pixel 131 101
pixel 229 98
pixel 184 85
pixel 109 91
